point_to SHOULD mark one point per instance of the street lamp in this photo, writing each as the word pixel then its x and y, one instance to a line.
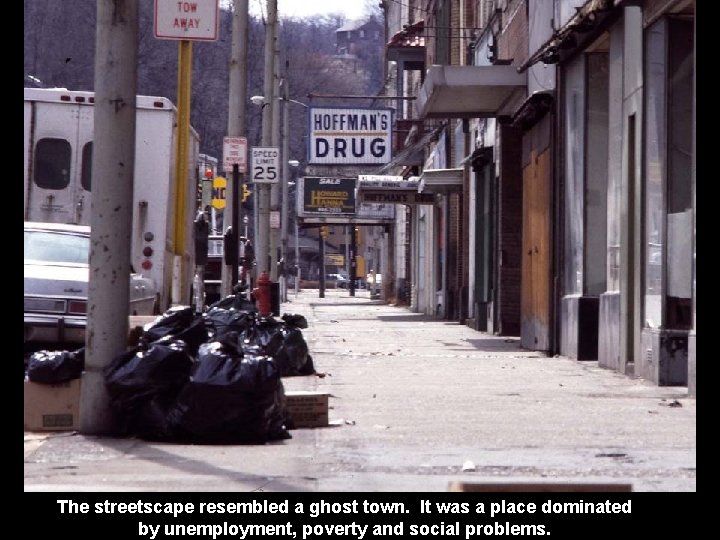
pixel 262 101
pixel 258 100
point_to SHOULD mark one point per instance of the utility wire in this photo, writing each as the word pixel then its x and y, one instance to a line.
pixel 411 7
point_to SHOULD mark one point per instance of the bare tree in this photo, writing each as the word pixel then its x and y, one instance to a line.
pixel 59 47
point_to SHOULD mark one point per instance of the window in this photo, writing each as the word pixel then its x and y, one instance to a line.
pixel 56 247
pixel 668 181
pixel 86 170
pixel 52 163
pixel 574 79
pixel 596 173
pixel 678 307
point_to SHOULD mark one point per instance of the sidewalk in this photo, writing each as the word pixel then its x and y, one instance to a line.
pixel 414 402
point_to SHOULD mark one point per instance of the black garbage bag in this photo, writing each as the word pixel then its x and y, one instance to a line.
pixel 231 398
pixel 223 303
pixel 173 321
pixel 194 335
pixel 295 319
pixel 294 357
pixel 134 378
pixel 54 367
pixel 263 337
pixel 241 302
pixel 282 341
pixel 221 321
pixel 153 420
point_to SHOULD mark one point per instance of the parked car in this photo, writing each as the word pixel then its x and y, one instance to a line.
pixel 337 280
pixel 56 283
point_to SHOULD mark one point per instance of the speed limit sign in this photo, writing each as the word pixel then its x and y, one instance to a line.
pixel 265 165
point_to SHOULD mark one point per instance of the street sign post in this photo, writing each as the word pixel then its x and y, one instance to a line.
pixel 218 192
pixel 265 164
pixel 193 21
pixel 235 153
pixel 274 219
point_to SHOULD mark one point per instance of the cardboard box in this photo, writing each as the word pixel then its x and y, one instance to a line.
pixel 52 407
pixel 307 408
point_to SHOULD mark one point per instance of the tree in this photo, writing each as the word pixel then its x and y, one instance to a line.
pixel 63 58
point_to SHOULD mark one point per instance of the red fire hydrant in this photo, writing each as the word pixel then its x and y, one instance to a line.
pixel 262 295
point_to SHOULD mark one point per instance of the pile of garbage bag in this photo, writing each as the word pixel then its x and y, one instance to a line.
pixel 55 367
pixel 212 377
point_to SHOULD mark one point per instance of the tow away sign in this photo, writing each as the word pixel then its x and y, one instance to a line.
pixel 350 136
pixel 192 21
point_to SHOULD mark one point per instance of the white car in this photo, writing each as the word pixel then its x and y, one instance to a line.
pixel 56 283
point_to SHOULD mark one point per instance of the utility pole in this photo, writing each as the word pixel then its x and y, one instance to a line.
pixel 236 127
pixel 275 188
pixel 263 190
pixel 284 212
pixel 113 163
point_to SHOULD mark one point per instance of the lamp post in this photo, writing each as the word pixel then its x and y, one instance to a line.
pixel 284 214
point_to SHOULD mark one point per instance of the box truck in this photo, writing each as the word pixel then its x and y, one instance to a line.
pixel 58 181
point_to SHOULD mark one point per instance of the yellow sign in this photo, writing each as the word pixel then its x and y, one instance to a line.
pixel 218 192
pixel 334 259
pixel 245 193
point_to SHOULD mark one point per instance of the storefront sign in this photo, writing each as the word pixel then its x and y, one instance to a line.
pixel 406 196
pixel 328 196
pixel 350 136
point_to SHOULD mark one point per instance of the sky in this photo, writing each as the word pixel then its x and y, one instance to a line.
pixel 351 9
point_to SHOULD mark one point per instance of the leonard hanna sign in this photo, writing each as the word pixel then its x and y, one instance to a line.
pixel 350 136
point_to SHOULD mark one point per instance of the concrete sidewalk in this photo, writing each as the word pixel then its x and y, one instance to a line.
pixel 414 401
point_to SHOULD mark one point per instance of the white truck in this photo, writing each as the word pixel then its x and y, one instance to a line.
pixel 58 142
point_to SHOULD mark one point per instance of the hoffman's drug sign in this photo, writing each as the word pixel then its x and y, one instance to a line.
pixel 350 136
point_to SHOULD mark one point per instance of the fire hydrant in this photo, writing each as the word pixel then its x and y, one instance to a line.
pixel 262 295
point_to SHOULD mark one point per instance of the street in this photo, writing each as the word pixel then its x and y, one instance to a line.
pixel 416 403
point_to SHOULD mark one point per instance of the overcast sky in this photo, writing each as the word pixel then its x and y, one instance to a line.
pixel 352 9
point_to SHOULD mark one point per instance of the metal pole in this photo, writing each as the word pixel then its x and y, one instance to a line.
pixel 275 188
pixel 322 262
pixel 113 164
pixel 297 252
pixel 346 230
pixel 179 288
pixel 353 259
pixel 284 212
pixel 235 221
pixel 236 125
pixel 263 190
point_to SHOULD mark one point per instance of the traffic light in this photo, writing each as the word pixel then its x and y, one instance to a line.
pixel 324 231
pixel 245 193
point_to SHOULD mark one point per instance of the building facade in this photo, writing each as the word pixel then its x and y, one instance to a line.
pixel 557 138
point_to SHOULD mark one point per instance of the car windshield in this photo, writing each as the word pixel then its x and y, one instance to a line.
pixel 56 247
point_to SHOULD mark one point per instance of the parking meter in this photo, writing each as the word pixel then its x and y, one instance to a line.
pixel 230 247
pixel 249 257
pixel 201 230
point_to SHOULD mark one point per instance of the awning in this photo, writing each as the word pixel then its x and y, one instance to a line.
pixel 412 154
pixel 468 91
pixel 408 45
pixel 441 180
pixel 572 36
